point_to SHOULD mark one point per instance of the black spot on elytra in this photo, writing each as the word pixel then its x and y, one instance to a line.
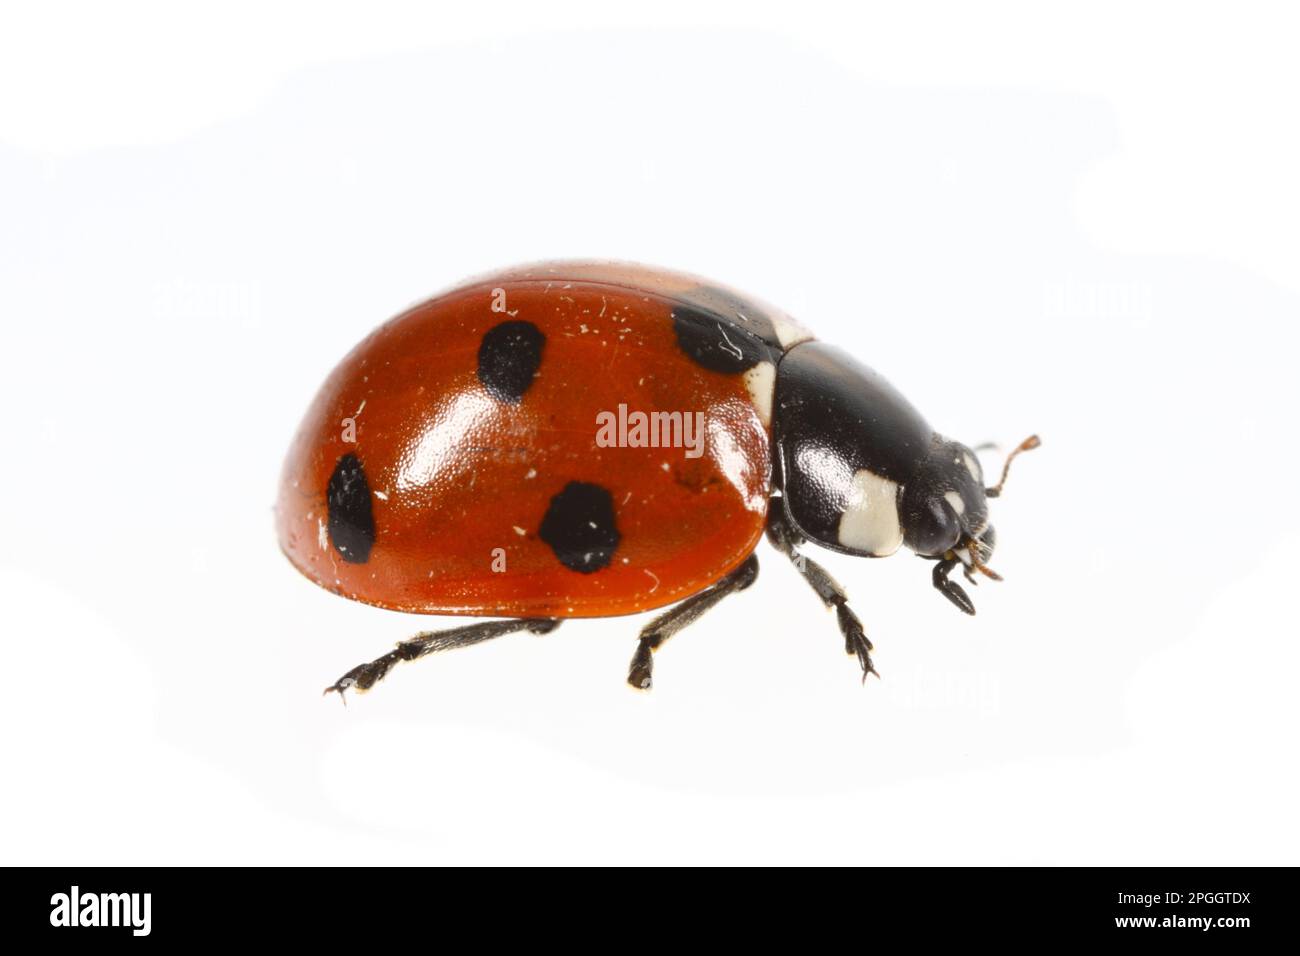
pixel 735 308
pixel 508 359
pixel 579 527
pixel 716 343
pixel 351 520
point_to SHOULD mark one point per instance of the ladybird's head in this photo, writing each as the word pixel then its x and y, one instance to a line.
pixel 944 508
pixel 944 503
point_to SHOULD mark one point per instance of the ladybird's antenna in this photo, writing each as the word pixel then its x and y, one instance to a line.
pixel 1029 444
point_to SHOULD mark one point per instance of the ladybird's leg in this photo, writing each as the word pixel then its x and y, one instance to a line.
pixel 786 540
pixel 953 591
pixel 428 642
pixel 679 615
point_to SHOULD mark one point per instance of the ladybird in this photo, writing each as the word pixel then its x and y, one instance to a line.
pixel 591 439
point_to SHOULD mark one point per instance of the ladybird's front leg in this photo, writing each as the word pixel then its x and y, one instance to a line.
pixel 856 642
pixel 785 539
pixel 953 591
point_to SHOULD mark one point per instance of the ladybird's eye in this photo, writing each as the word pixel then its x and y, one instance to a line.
pixel 933 528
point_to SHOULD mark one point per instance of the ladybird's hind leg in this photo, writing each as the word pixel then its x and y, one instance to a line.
pixel 680 615
pixel 366 676
pixel 786 540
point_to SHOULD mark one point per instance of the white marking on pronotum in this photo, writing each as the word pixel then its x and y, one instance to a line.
pixel 760 381
pixel 322 535
pixel 788 332
pixel 381 495
pixel 518 530
pixel 954 499
pixel 870 521
pixel 653 578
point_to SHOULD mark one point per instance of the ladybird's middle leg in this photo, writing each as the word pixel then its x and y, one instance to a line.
pixel 366 676
pixel 679 615
pixel 786 540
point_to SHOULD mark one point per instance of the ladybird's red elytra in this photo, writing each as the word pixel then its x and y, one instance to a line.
pixel 477 424
pixel 589 439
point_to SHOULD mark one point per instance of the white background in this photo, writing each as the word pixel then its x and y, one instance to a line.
pixel 1077 223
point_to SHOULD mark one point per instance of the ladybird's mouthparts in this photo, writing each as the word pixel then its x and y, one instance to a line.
pixel 972 553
